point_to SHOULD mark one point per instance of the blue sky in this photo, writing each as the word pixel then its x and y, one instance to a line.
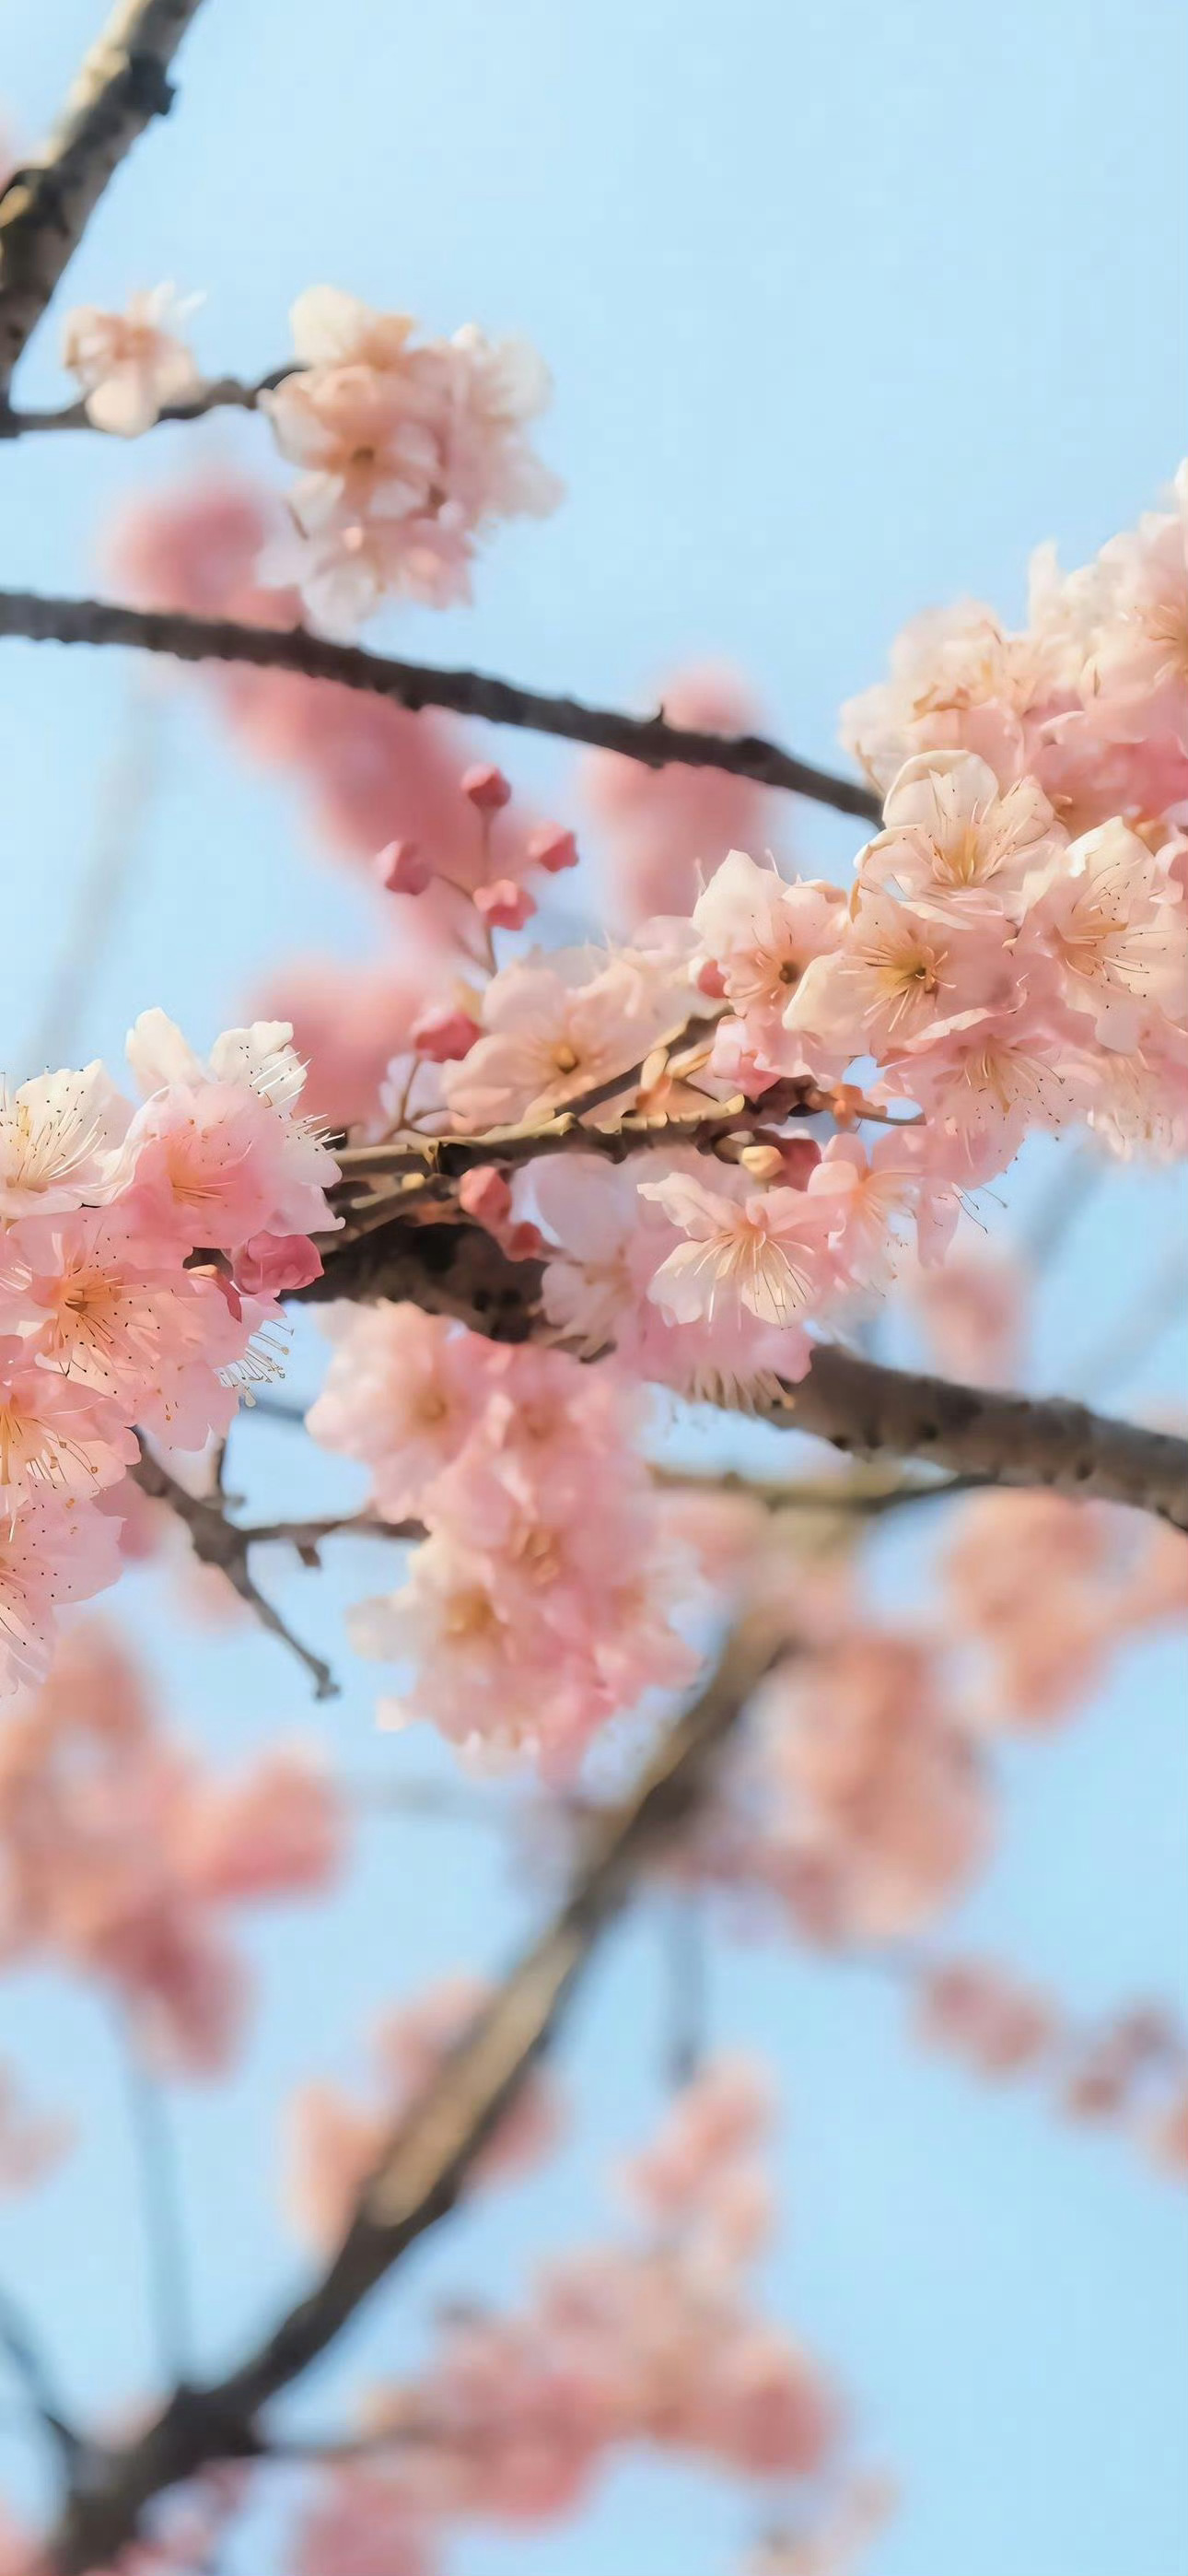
pixel 847 307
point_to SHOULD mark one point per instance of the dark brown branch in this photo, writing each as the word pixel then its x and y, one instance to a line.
pixel 221 1542
pixel 426 2163
pixel 45 207
pixel 415 685
pixel 219 393
pixel 859 1407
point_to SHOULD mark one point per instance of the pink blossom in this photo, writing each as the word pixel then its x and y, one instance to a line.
pixel 55 1437
pixel 412 450
pixel 1119 931
pixel 883 1798
pixel 348 1022
pixel 59 1142
pixel 951 839
pixel 974 2011
pixel 760 935
pixel 400 1394
pixel 55 1550
pixel 766 1254
pixel 557 1026
pixel 130 365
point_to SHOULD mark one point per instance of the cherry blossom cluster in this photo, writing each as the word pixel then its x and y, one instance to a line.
pixel 411 449
pixel 541 1601
pixel 652 2341
pixel 121 1855
pixel 1130 2074
pixel 142 1253
pixel 860 1802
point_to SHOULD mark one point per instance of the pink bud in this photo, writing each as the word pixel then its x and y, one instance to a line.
pixel 504 905
pixel 443 1034
pixel 485 1195
pixel 273 1265
pixel 403 868
pixel 486 787
pixel 709 980
pixel 552 848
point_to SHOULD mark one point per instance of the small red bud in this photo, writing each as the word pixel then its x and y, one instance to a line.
pixel 402 868
pixel 552 848
pixel 486 787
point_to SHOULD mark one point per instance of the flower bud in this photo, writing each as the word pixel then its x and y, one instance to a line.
pixel 487 788
pixel 504 905
pixel 552 848
pixel 444 1034
pixel 402 868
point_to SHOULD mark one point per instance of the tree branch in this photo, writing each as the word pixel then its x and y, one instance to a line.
pixel 219 393
pixel 415 685
pixel 427 2161
pixel 453 1268
pixel 17 2342
pixel 45 207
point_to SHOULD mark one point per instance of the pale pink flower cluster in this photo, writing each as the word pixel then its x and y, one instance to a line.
pixel 1040 1591
pixel 540 1603
pixel 1130 2073
pixel 132 365
pixel 412 451
pixel 655 2342
pixel 872 1809
pixel 1090 699
pixel 334 2143
pixel 108 1322
pixel 1003 977
pixel 120 1854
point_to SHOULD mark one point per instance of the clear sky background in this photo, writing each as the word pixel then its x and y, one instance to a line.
pixel 847 307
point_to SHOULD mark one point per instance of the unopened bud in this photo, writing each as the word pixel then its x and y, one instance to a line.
pixel 486 787
pixel 402 868
pixel 552 848
pixel 485 1195
pixel 504 905
pixel 444 1034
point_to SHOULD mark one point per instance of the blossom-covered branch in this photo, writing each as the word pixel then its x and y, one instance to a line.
pixel 217 393
pixel 857 1405
pixel 121 86
pixel 427 2162
pixel 648 739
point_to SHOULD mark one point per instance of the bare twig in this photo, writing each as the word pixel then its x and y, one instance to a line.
pixel 161 2209
pixel 865 1499
pixel 426 2163
pixel 123 801
pixel 228 1544
pixel 19 2343
pixel 687 1999
pixel 415 684
pixel 44 210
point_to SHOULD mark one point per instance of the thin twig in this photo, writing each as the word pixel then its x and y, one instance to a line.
pixel 687 1998
pixel 869 1501
pixel 217 1541
pixel 648 739
pixel 19 2342
pixel 426 2163
pixel 123 806
pixel 168 2270
pixel 44 209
